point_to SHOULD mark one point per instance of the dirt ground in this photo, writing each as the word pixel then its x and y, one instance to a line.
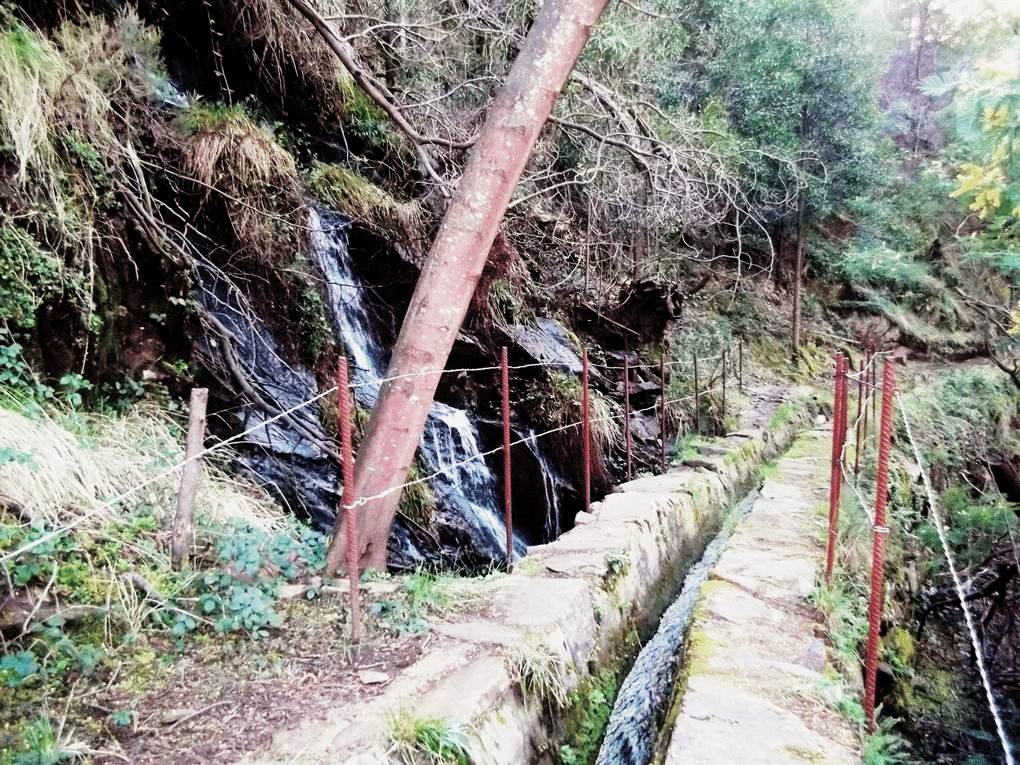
pixel 217 698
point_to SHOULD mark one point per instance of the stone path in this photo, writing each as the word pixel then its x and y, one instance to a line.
pixel 757 657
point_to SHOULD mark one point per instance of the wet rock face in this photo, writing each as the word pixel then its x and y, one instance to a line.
pixel 285 455
pixel 548 343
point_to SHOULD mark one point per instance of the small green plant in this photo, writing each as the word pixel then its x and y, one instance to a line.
pixel 433 595
pixel 842 608
pixel 883 746
pixel 617 563
pixel 438 740
pixel 29 276
pixel 38 745
pixel 71 386
pixel 586 718
pixel 122 718
pixel 241 593
pixel 18 669
pixel 17 376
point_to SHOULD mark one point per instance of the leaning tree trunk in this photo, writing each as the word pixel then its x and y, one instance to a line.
pixel 453 267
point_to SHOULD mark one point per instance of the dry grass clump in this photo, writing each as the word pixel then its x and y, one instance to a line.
pixel 256 180
pixel 89 78
pixel 60 471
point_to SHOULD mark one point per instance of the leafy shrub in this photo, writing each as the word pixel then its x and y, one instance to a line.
pixel 966 415
pixel 17 377
pixel 29 276
pixel 882 267
pixel 240 593
pixel 973 524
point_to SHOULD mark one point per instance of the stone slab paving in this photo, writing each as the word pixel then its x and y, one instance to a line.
pixel 756 657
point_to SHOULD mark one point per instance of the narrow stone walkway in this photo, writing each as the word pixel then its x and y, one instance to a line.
pixel 757 656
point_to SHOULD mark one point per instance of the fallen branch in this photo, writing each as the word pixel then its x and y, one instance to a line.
pixel 195 713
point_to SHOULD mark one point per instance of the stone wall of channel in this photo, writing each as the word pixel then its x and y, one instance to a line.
pixel 572 609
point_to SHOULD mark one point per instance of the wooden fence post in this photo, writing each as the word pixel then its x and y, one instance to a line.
pixel 185 515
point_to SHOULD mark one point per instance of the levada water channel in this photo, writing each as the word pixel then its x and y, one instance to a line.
pixel 287 454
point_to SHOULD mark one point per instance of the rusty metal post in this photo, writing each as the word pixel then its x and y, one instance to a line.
pixel 697 398
pixel 874 391
pixel 870 392
pixel 185 514
pixel 860 404
pixel 844 405
pixel 626 415
pixel 835 474
pixel 586 431
pixel 662 415
pixel 723 392
pixel 344 404
pixel 507 499
pixel 878 553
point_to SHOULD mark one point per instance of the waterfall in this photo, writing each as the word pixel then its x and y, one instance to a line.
pixel 451 438
pixel 463 484
pixel 327 239
pixel 552 484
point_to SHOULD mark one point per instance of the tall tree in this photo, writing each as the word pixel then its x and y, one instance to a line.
pixel 799 79
pixel 452 269
pixel 986 102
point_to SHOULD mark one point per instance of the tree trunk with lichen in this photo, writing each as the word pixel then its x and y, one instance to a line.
pixel 453 267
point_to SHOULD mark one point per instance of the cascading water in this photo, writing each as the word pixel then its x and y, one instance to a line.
pixel 464 485
pixel 552 486
pixel 449 447
pixel 327 239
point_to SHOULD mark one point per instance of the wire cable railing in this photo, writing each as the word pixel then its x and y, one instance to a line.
pixel 283 415
pixel 866 380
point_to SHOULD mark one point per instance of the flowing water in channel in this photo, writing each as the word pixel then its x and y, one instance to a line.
pixel 641 704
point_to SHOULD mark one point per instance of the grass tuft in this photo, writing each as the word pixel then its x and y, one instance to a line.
pixel 539 671
pixel 437 740
pixel 346 191
pixel 227 152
